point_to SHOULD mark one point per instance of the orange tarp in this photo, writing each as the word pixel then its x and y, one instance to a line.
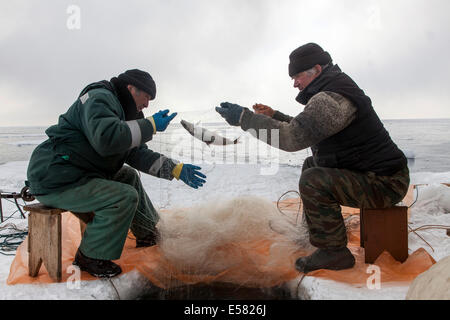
pixel 253 268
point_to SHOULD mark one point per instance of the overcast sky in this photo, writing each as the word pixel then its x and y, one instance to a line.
pixel 203 52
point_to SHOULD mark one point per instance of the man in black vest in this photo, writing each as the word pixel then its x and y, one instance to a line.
pixel 355 163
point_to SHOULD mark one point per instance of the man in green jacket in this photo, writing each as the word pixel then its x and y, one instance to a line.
pixel 80 167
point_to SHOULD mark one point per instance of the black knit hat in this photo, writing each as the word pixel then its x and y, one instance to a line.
pixel 306 57
pixel 141 80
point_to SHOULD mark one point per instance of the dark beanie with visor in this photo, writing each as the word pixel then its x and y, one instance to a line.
pixel 141 80
pixel 307 56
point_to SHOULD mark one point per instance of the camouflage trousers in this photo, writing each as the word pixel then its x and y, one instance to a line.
pixel 324 190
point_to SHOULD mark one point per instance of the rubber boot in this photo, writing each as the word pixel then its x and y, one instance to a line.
pixel 332 259
pixel 148 241
pixel 96 267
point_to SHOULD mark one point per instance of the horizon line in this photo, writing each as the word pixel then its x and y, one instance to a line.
pixel 47 125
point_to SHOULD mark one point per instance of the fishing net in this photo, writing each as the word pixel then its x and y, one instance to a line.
pixel 246 241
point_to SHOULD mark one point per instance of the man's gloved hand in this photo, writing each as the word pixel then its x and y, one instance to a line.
pixel 231 112
pixel 189 174
pixel 161 120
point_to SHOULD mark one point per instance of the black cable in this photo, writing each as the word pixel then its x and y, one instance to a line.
pixel 18 205
pixel 117 292
pixel 417 196
pixel 11 241
pixel 299 203
pixel 9 217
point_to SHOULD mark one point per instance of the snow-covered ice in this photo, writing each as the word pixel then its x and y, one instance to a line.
pixel 26 142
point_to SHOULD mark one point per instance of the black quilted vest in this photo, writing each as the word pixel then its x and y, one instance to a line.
pixel 365 145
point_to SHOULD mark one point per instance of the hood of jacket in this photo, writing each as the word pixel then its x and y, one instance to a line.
pixel 120 90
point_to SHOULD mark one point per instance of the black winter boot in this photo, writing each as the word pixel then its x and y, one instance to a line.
pixel 333 259
pixel 148 241
pixel 96 267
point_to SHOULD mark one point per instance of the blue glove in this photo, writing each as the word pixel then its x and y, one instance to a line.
pixel 231 112
pixel 191 176
pixel 161 120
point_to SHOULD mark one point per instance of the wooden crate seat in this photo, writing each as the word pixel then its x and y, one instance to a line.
pixel 44 238
pixel 384 229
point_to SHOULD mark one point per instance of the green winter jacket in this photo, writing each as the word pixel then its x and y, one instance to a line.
pixel 93 140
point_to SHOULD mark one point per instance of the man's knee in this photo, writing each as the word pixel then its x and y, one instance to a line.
pixel 128 199
pixel 312 178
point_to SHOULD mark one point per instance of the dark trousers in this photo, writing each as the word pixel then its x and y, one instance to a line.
pixel 119 205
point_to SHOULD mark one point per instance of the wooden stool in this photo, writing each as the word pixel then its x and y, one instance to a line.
pixel 44 238
pixel 384 229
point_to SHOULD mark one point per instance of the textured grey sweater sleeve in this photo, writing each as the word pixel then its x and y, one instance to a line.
pixel 281 116
pixel 326 114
